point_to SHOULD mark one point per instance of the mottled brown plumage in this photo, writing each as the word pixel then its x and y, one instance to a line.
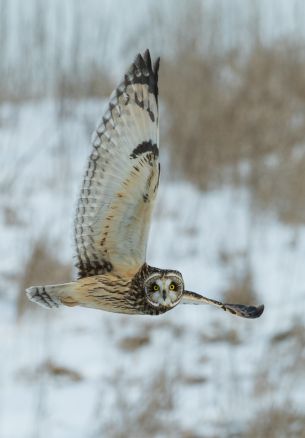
pixel 114 213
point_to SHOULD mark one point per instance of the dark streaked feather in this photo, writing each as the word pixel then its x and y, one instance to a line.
pixel 116 199
pixel 242 310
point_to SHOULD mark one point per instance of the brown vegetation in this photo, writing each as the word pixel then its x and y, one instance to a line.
pixel 230 109
pixel 277 423
pixel 238 118
pixel 133 343
pixel 42 267
pixel 149 415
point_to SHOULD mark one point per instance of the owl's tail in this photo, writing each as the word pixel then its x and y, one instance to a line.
pixel 53 295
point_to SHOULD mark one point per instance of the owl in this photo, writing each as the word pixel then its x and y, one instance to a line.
pixel 114 212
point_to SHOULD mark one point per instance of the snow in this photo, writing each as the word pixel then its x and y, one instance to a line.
pixel 207 387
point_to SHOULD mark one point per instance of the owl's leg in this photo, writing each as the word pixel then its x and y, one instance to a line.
pixel 235 309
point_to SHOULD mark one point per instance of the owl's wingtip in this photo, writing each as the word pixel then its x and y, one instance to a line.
pixel 250 312
pixel 145 59
pixel 157 65
pixel 259 311
pixel 143 71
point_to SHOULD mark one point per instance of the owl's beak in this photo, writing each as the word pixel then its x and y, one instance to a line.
pixel 164 294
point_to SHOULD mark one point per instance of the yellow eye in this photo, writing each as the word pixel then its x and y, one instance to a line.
pixel 172 286
pixel 155 287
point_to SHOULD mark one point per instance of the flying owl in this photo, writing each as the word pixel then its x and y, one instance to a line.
pixel 114 212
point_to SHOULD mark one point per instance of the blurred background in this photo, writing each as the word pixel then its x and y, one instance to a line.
pixel 230 216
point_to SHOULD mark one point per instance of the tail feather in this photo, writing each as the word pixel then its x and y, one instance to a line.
pixel 49 296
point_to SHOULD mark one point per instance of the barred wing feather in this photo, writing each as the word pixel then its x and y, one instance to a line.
pixel 118 191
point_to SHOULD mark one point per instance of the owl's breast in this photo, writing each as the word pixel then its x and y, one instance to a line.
pixel 116 293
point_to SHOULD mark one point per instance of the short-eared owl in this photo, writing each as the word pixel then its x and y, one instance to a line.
pixel 114 212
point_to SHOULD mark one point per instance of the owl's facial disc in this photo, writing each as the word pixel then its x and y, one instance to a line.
pixel 164 289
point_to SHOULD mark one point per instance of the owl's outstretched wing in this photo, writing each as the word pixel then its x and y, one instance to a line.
pixel 235 309
pixel 117 195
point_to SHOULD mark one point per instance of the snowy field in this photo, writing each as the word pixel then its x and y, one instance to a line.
pixel 193 372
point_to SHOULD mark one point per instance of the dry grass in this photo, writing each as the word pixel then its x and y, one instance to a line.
pixel 50 60
pixel 281 422
pixel 230 108
pixel 149 415
pixel 133 343
pixel 194 379
pixel 93 83
pixel 58 371
pixel 241 289
pixel 296 333
pixel 240 282
pixel 289 346
pixel 224 106
pixel 11 216
pixel 219 334
pixel 50 369
pixel 42 267
pixel 281 189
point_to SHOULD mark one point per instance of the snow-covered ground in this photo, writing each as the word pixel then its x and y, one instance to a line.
pixel 195 371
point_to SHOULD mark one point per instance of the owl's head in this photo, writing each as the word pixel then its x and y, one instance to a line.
pixel 164 289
